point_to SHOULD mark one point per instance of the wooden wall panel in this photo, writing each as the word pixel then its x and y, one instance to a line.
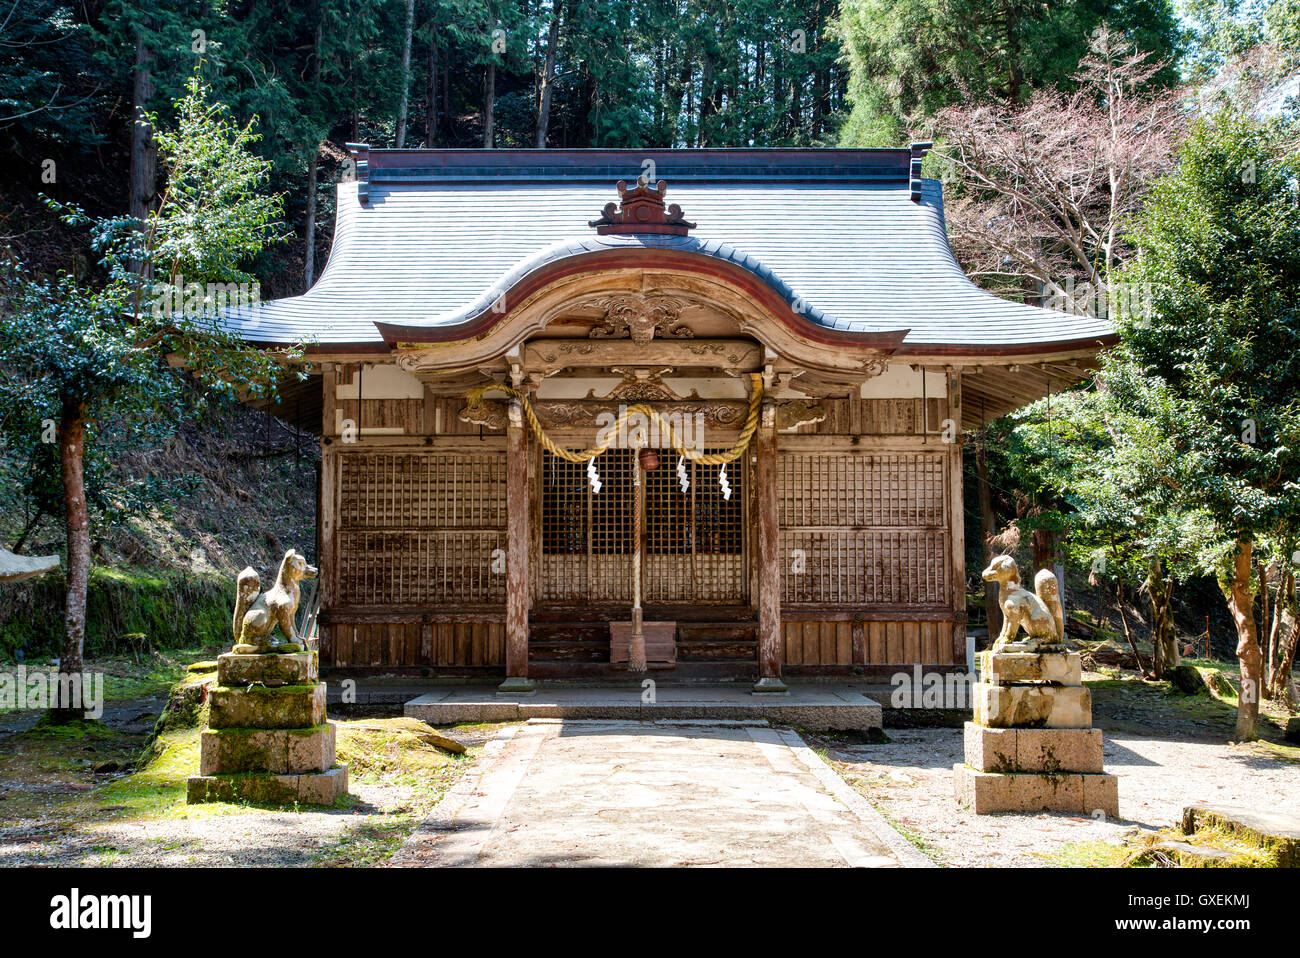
pixel 897 642
pixel 415 645
pixel 880 417
pixel 865 528
pixel 419 528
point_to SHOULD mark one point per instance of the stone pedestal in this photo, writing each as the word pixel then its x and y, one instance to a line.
pixel 1032 746
pixel 268 740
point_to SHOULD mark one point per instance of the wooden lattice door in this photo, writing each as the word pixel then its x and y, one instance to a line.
pixel 696 540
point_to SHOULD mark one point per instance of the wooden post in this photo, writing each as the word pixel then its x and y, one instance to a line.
pixel 636 644
pixel 517 537
pixel 769 559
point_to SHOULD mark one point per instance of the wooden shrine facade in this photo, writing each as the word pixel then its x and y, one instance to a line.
pixel 455 543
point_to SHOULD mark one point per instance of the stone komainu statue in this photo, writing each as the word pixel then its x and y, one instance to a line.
pixel 257 615
pixel 1039 613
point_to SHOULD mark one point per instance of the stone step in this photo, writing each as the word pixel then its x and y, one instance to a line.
pixel 281 751
pixel 1276 831
pixel 1033 749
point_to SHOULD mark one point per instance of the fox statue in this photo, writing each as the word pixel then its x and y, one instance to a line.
pixel 256 616
pixel 1039 613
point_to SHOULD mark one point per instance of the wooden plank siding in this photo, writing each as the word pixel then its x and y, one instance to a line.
pixel 412 517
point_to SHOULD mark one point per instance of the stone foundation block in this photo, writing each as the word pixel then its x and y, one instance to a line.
pixel 1033 749
pixel 300 668
pixel 280 751
pixel 1079 792
pixel 318 788
pixel 1005 668
pixel 1032 706
pixel 259 707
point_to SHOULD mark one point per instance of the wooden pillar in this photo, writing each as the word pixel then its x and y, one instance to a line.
pixel 769 559
pixel 957 521
pixel 517 538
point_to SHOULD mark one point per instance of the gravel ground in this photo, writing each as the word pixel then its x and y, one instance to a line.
pixel 910 781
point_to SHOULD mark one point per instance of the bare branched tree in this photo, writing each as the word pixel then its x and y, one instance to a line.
pixel 1040 192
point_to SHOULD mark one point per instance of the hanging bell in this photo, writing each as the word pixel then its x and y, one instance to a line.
pixel 648 458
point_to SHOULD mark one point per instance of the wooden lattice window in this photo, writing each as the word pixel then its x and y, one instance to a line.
pixel 422 528
pixel 695 541
pixel 864 529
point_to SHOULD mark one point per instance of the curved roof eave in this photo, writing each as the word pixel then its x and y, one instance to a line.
pixel 836 261
pixel 646 251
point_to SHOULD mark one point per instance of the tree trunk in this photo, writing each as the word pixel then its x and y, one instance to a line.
pixel 1241 602
pixel 313 164
pixel 1280 681
pixel 988 529
pixel 144 155
pixel 1044 552
pixel 548 76
pixel 489 103
pixel 1164 643
pixel 72 446
pixel 1123 621
pixel 309 254
pixel 431 91
pixel 404 99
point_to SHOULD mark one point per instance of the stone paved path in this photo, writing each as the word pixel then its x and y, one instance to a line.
pixel 565 792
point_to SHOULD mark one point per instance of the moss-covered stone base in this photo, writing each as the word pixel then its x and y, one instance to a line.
pixel 320 788
pixel 234 670
pixel 281 751
pixel 260 707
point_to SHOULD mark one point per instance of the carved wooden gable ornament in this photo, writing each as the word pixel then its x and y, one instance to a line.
pixel 641 210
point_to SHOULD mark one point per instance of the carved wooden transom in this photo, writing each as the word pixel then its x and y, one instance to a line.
pixel 640 317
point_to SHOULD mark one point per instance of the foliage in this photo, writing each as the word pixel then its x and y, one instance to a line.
pixel 1215 369
pixel 908 60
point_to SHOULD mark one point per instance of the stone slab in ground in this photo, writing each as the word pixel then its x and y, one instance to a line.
pixel 811 706
pixel 1266 828
pixel 1061 668
pixel 319 788
pixel 300 668
pixel 1033 749
pixel 281 751
pixel 285 706
pixel 630 793
pixel 1032 706
pixel 1078 792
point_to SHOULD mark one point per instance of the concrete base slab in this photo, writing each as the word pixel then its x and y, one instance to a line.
pixel 1082 793
pixel 318 788
pixel 815 707
pixel 517 685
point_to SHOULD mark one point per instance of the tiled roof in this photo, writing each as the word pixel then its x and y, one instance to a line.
pixel 838 231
